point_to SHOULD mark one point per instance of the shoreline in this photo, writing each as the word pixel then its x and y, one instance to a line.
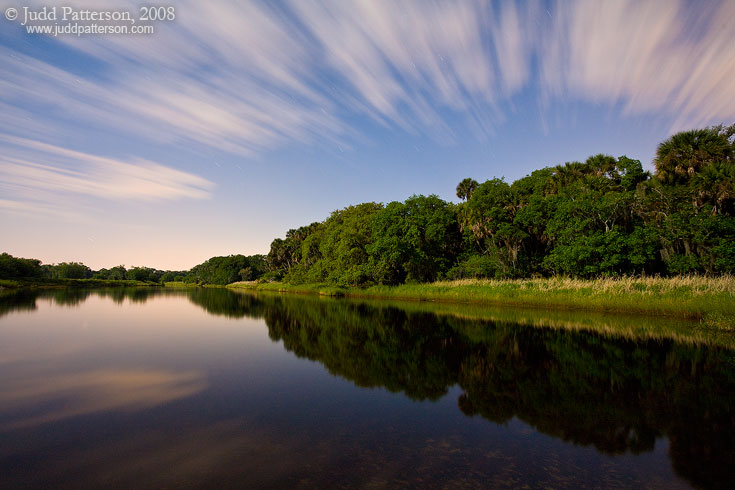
pixel 14 284
pixel 710 301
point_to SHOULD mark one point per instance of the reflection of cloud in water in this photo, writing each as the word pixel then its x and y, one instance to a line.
pixel 37 401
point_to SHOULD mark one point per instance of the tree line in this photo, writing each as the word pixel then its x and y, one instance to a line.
pixel 602 217
pixel 217 270
pixel 599 218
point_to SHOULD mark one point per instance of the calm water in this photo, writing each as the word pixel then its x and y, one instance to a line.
pixel 217 389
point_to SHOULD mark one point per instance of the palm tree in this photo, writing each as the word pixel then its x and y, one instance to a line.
pixel 466 188
pixel 565 174
pixel 715 184
pixel 601 164
pixel 686 153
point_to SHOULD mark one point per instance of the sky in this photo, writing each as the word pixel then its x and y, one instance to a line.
pixel 235 121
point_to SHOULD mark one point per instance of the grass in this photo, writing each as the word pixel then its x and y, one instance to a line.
pixel 180 284
pixel 282 287
pixel 8 284
pixel 708 300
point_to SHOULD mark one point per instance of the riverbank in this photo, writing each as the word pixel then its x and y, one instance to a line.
pixel 71 283
pixel 709 300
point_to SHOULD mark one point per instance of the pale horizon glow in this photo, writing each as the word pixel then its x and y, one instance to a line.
pixel 237 121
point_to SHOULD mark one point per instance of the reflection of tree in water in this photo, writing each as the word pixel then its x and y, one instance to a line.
pixel 69 296
pixel 225 302
pixel 75 296
pixel 25 299
pixel 214 301
pixel 134 295
pixel 22 300
pixel 372 347
pixel 616 395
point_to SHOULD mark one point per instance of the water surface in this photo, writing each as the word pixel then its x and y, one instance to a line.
pixel 205 388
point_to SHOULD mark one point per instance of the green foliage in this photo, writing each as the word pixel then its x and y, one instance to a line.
pixel 70 270
pixel 226 270
pixel 118 273
pixel 18 268
pixel 286 253
pixel 602 217
pixel 172 276
pixel 489 216
pixel 414 241
pixel 681 157
pixel 337 252
pixel 145 274
pixel 475 267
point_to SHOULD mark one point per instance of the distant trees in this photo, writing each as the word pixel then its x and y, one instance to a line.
pixel 217 270
pixel 20 268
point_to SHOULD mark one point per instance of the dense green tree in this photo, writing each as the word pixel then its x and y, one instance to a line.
pixel 342 257
pixel 70 270
pixel 593 227
pixel 714 185
pixel 286 253
pixel 118 273
pixel 19 268
pixel 417 240
pixel 143 274
pixel 489 216
pixel 226 270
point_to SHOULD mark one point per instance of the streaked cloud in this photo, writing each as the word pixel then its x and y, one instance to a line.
pixel 34 207
pixel 244 78
pixel 661 57
pixel 83 173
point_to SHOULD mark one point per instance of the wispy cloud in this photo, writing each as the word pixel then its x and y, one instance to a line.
pixel 242 78
pixel 31 166
pixel 31 207
pixel 658 57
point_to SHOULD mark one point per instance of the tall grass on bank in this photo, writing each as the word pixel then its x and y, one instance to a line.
pixel 710 300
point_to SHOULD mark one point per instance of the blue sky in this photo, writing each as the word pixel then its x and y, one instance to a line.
pixel 234 122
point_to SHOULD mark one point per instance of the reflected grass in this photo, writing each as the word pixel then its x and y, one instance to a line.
pixel 709 328
pixel 709 301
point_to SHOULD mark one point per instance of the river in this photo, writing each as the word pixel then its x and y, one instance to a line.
pixel 213 388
